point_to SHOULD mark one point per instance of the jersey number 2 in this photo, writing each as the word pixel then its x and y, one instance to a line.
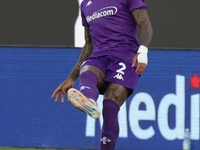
pixel 121 70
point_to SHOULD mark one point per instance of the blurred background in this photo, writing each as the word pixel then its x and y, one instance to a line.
pixel 51 23
pixel 40 41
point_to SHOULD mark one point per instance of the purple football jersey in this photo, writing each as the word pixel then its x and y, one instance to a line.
pixel 112 26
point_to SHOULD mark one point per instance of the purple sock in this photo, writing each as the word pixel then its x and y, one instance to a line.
pixel 110 130
pixel 88 85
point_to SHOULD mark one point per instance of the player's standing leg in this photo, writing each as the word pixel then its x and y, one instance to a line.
pixel 114 97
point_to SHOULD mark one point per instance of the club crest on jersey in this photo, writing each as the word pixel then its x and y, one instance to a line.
pixel 89 3
pixel 106 11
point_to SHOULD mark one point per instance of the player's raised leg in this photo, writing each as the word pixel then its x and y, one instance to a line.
pixel 83 103
pixel 87 94
pixel 114 97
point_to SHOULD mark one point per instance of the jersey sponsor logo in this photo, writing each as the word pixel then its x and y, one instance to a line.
pixel 89 3
pixel 106 11
pixel 105 140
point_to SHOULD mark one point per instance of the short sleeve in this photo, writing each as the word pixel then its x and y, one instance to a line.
pixel 84 21
pixel 136 4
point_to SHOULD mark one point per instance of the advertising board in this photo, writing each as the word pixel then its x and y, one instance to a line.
pixel 164 103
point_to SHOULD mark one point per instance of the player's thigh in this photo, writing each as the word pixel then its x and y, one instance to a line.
pixel 100 74
pixel 117 93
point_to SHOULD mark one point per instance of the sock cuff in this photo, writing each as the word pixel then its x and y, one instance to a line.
pixel 89 73
pixel 111 101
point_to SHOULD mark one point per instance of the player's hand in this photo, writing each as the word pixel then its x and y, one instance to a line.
pixel 141 66
pixel 141 58
pixel 62 89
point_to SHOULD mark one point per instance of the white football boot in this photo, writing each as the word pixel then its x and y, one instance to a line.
pixel 83 103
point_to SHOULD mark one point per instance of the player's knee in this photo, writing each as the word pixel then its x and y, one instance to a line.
pixel 116 92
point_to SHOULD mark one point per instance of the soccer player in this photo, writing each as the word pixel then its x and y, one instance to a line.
pixel 110 62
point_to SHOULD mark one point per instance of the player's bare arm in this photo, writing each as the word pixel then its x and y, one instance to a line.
pixel 143 21
pixel 85 53
pixel 69 82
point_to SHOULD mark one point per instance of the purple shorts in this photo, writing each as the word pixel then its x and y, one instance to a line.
pixel 116 70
